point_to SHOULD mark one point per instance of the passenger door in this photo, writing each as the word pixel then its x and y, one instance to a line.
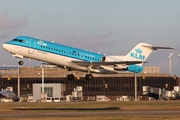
pixel 31 46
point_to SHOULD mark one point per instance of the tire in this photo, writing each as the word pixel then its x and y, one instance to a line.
pixel 20 62
pixel 70 77
pixel 89 77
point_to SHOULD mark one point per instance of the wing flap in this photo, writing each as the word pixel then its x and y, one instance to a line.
pixel 84 63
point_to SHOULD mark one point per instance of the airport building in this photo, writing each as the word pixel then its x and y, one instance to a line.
pixel 113 86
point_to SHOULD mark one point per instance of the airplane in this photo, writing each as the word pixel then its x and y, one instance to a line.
pixel 9 95
pixel 77 59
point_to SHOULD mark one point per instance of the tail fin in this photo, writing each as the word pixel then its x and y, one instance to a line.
pixel 139 53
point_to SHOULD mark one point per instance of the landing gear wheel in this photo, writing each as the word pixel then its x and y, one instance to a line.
pixel 89 77
pixel 70 77
pixel 20 62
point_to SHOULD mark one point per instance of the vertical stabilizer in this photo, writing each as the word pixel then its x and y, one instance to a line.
pixel 139 53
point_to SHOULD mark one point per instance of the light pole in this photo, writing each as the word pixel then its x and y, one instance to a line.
pixel 42 79
pixel 42 84
pixel 18 80
pixel 169 57
pixel 135 87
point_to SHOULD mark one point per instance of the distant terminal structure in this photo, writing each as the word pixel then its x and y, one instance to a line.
pixel 111 87
pixel 151 69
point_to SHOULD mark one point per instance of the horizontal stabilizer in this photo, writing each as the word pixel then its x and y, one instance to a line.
pixel 158 47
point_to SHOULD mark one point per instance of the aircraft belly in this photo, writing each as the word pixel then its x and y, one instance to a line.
pixel 49 57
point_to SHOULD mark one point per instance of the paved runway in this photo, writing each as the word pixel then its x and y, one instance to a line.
pixel 86 113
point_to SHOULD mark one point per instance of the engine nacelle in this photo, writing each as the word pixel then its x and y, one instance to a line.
pixel 107 68
pixel 109 59
pixel 135 68
pixel 120 68
pixel 103 59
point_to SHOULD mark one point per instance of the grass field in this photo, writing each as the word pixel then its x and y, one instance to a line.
pixel 124 106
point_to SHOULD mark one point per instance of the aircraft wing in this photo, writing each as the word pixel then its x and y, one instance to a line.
pixel 84 63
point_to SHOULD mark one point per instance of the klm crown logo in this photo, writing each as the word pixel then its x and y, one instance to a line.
pixel 137 54
pixel 138 50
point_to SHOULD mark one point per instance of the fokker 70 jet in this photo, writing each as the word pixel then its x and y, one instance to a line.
pixel 77 59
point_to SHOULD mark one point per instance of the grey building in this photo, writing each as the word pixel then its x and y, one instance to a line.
pixel 50 90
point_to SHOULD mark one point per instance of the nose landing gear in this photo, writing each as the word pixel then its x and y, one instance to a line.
pixel 20 62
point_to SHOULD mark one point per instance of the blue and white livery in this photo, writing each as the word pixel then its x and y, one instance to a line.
pixel 77 59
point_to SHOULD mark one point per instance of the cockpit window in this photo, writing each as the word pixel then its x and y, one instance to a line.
pixel 15 40
pixel 19 40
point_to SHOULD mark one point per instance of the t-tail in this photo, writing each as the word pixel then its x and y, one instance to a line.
pixel 139 53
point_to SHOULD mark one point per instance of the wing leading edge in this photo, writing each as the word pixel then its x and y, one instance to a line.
pixel 83 63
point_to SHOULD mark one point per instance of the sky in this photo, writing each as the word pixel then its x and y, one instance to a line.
pixel 112 27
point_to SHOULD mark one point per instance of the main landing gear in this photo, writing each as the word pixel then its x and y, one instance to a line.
pixel 87 77
pixel 70 77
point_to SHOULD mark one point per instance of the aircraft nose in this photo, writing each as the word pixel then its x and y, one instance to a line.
pixel 5 46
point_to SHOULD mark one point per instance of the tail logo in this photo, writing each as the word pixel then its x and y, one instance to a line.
pixel 137 54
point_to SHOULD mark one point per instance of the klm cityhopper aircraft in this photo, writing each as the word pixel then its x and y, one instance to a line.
pixel 77 59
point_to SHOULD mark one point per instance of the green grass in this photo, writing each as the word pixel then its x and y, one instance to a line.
pixel 124 106
pixel 127 105
pixel 103 118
